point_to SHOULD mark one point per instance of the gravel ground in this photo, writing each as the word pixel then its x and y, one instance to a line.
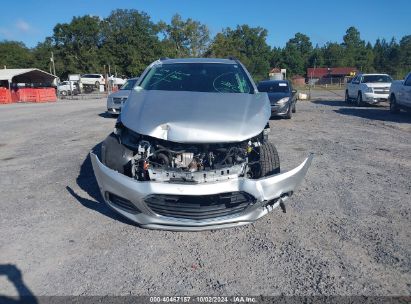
pixel 346 230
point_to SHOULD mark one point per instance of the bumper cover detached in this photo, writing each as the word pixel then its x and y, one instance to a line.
pixel 195 207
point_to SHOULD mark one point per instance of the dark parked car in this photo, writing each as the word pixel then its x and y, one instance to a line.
pixel 282 96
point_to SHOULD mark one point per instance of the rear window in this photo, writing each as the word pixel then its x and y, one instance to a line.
pixel 198 77
pixel 376 78
pixel 274 87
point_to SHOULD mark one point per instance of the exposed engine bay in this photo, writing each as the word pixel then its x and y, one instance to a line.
pixel 147 158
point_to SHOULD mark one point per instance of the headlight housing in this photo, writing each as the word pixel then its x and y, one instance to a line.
pixel 282 101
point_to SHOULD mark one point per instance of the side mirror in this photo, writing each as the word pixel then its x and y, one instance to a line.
pixel 294 91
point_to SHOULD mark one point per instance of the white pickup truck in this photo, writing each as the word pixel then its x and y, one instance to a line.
pixel 368 88
pixel 400 95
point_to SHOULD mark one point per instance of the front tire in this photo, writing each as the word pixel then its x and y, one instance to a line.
pixel 288 115
pixel 360 102
pixel 268 162
pixel 347 97
pixel 294 109
pixel 393 105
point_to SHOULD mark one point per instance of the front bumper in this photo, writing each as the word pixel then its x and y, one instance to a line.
pixel 280 110
pixel 114 110
pixel 268 192
pixel 373 98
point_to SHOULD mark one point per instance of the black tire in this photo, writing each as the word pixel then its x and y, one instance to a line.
pixel 294 108
pixel 269 161
pixel 97 84
pixel 289 115
pixel 393 105
pixel 347 97
pixel 359 101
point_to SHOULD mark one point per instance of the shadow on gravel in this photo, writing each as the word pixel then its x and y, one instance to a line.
pixel 342 103
pixel 88 183
pixel 14 275
pixel 108 115
pixel 276 118
pixel 332 103
pixel 376 114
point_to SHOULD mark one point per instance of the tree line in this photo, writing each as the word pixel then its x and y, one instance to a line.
pixel 128 40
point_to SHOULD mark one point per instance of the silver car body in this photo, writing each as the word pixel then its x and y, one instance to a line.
pixel 116 100
pixel 370 93
pixel 401 91
pixel 194 117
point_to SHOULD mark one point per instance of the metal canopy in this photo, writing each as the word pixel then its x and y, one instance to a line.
pixel 26 76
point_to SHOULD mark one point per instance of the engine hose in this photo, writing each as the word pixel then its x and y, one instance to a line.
pixel 162 148
pixel 229 154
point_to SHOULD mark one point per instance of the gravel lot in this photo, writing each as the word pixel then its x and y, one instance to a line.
pixel 346 230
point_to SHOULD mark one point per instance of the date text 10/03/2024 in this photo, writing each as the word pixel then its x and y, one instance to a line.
pixel 203 299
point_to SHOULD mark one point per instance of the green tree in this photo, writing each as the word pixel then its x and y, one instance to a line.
pixel 296 53
pixel 77 45
pixel 246 43
pixel 356 52
pixel 129 42
pixel 333 55
pixel 276 58
pixel 42 54
pixel 365 58
pixel 405 57
pixel 14 54
pixel 185 37
pixel 316 57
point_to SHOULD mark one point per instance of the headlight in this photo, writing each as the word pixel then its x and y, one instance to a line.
pixel 283 101
pixel 369 90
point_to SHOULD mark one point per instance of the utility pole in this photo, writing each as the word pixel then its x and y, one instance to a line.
pixel 54 73
pixel 52 62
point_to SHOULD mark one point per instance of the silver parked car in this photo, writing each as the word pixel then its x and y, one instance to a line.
pixel 190 150
pixel 116 100
pixel 400 95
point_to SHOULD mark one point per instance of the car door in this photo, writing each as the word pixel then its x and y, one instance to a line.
pixel 406 91
pixel 353 87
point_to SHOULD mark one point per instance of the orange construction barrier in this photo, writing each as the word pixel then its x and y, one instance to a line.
pixel 5 96
pixel 14 96
pixel 45 95
pixel 27 95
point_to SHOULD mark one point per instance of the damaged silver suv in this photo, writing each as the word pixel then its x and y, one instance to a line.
pixel 190 150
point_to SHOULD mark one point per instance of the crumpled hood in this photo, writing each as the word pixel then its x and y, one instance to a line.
pixel 196 117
